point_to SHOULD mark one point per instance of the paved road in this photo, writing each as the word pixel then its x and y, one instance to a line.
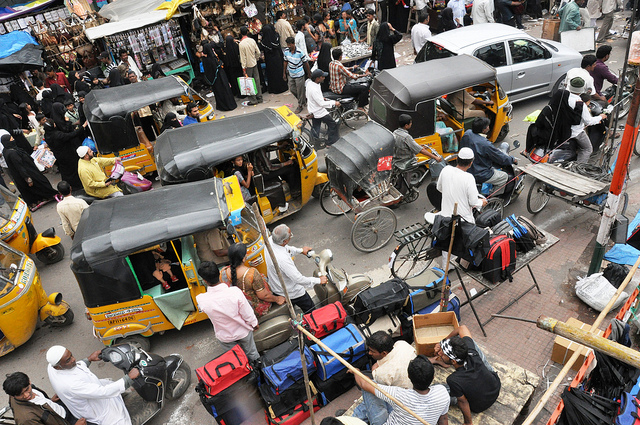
pixel 311 226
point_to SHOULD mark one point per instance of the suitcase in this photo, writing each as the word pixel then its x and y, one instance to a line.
pixel 281 366
pixel 273 332
pixel 388 323
pixel 234 405
pixel 488 218
pixel 224 371
pixel 425 288
pixel 285 403
pixel 300 414
pixel 454 305
pixel 388 297
pixel 348 342
pixel 325 320
pixel 500 262
pixel 339 383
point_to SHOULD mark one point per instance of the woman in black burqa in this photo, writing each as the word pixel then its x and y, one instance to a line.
pixel 232 63
pixel 324 59
pixel 216 76
pixel 34 187
pixel 170 121
pixel 11 120
pixel 553 126
pixel 273 59
pixel 384 46
pixel 63 141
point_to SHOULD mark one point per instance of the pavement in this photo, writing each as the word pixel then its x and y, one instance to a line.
pixel 521 343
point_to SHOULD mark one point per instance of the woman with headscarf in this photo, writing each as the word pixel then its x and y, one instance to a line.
pixel 384 46
pixel 11 120
pixel 232 63
pixel 46 104
pixel 115 78
pixel 170 121
pixel 34 187
pixel 216 76
pixel 446 20
pixel 59 94
pixel 273 59
pixel 63 144
pixel 324 59
pixel 57 115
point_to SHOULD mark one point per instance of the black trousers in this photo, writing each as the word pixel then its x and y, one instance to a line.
pixel 333 133
pixel 304 302
pixel 359 91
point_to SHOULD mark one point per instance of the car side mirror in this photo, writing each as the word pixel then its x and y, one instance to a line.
pixel 258 181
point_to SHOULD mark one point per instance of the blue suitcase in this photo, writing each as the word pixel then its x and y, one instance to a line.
pixel 454 305
pixel 425 288
pixel 347 342
pixel 281 366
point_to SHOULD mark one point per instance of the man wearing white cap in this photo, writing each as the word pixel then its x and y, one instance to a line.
pixel 85 395
pixel 93 178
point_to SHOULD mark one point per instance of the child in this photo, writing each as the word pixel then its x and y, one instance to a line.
pixel 72 115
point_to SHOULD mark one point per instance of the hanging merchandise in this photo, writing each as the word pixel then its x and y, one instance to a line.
pixel 250 9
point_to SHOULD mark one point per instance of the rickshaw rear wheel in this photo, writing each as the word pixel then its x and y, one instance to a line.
pixel 142 342
pixel 373 229
pixel 65 320
pixel 331 203
pixel 538 198
pixel 503 133
pixel 181 381
pixel 51 254
pixel 355 119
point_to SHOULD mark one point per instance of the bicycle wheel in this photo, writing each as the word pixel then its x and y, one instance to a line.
pixel 538 197
pixel 331 203
pixel 412 258
pixel 355 119
pixel 625 104
pixel 373 229
pixel 495 204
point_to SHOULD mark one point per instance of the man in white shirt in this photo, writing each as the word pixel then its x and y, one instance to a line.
pixel 391 368
pixel 482 12
pixel 420 32
pixel 69 209
pixel 295 282
pixel 317 106
pixel 131 63
pixel 99 401
pixel 588 64
pixel 301 44
pixel 419 5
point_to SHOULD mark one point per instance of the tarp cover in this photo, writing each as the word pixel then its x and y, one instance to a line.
pixel 29 57
pixel 114 228
pixel 100 105
pixel 14 41
pixel 125 15
pixel 211 143
pixel 10 9
pixel 360 158
pixel 404 87
pixel 625 253
pixel 120 10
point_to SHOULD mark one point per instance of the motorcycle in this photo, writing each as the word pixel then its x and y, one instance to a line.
pixel 340 285
pixel 160 377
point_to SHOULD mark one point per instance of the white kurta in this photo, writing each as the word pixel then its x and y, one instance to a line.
pixel 97 400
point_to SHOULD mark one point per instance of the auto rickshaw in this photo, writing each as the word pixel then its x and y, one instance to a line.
pixel 16 230
pixel 265 138
pixel 421 90
pixel 23 300
pixel 123 123
pixel 114 254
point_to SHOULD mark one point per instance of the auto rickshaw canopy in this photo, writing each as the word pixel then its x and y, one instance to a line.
pixel 100 105
pixel 112 229
pixel 405 87
pixel 362 158
pixel 203 145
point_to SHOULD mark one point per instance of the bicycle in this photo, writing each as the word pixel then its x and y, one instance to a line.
pixel 347 114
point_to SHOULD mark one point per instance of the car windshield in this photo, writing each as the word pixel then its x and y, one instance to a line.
pixel 432 51
pixel 248 229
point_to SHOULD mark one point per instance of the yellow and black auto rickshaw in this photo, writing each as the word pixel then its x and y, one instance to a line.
pixel 123 122
pixel 267 139
pixel 115 249
pixel 23 301
pixel 425 91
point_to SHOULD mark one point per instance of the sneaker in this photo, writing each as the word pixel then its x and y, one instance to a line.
pixel 284 209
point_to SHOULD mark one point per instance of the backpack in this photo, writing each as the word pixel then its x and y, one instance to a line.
pixel 524 241
pixel 628 410
pixel 500 263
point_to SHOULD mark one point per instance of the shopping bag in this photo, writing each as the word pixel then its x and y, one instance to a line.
pixel 247 86
pixel 250 9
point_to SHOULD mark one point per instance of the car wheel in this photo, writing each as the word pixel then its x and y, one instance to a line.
pixel 559 85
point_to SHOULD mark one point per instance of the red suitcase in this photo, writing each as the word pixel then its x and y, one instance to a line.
pixel 224 371
pixel 300 414
pixel 325 320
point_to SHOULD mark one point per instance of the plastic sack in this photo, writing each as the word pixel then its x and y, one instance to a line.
pixel 596 292
pixel 88 142
pixel 247 86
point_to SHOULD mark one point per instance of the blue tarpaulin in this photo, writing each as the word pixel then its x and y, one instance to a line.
pixel 14 41
pixel 623 253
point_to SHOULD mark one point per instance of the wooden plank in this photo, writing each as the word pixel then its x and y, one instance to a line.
pixel 557 184
pixel 583 180
pixel 576 184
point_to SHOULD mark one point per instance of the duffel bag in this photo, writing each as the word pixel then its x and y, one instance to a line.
pixel 339 383
pixel 300 414
pixel 234 405
pixel 425 288
pixel 224 371
pixel 348 343
pixel 488 218
pixel 281 366
pixel 388 297
pixel 285 403
pixel 325 320
pixel 500 262
pixel 388 323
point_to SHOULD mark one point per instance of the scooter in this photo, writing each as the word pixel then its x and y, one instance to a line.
pixel 509 192
pixel 160 377
pixel 340 286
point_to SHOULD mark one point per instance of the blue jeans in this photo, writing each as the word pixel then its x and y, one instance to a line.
pixel 372 410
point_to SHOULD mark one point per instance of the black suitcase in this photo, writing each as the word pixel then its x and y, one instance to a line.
pixel 500 262
pixel 285 403
pixel 236 404
pixel 388 297
pixel 339 383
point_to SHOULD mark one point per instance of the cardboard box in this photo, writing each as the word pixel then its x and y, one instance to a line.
pixel 429 329
pixel 550 29
pixel 563 348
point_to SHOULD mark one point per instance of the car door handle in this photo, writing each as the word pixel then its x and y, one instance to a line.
pixel 521 74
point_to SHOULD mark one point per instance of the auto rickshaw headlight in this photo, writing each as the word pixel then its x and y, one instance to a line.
pixel 55 298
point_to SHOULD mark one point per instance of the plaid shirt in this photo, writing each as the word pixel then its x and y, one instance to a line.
pixel 338 76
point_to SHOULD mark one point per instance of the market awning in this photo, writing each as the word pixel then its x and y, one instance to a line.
pixel 138 21
pixel 19 51
pixel 10 9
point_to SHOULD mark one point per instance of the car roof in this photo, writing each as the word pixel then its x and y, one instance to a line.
pixel 461 38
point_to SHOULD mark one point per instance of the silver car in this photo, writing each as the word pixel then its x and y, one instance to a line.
pixel 527 66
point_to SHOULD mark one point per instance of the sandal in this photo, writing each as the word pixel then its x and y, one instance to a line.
pixel 38 206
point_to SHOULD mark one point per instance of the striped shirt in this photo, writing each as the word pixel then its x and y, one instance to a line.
pixel 338 76
pixel 295 63
pixel 429 407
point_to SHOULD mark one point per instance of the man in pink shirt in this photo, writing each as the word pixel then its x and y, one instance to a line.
pixel 231 314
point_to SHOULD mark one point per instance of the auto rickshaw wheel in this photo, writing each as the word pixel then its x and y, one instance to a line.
pixel 503 133
pixel 58 321
pixel 142 342
pixel 538 197
pixel 51 254
pixel 373 229
pixel 180 382
pixel 331 203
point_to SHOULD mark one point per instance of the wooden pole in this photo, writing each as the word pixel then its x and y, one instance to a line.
pixel 446 287
pixel 292 312
pixel 598 343
pixel 560 378
pixel 357 372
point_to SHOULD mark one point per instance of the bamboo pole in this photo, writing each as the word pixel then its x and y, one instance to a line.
pixel 560 378
pixel 292 312
pixel 360 374
pixel 444 297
